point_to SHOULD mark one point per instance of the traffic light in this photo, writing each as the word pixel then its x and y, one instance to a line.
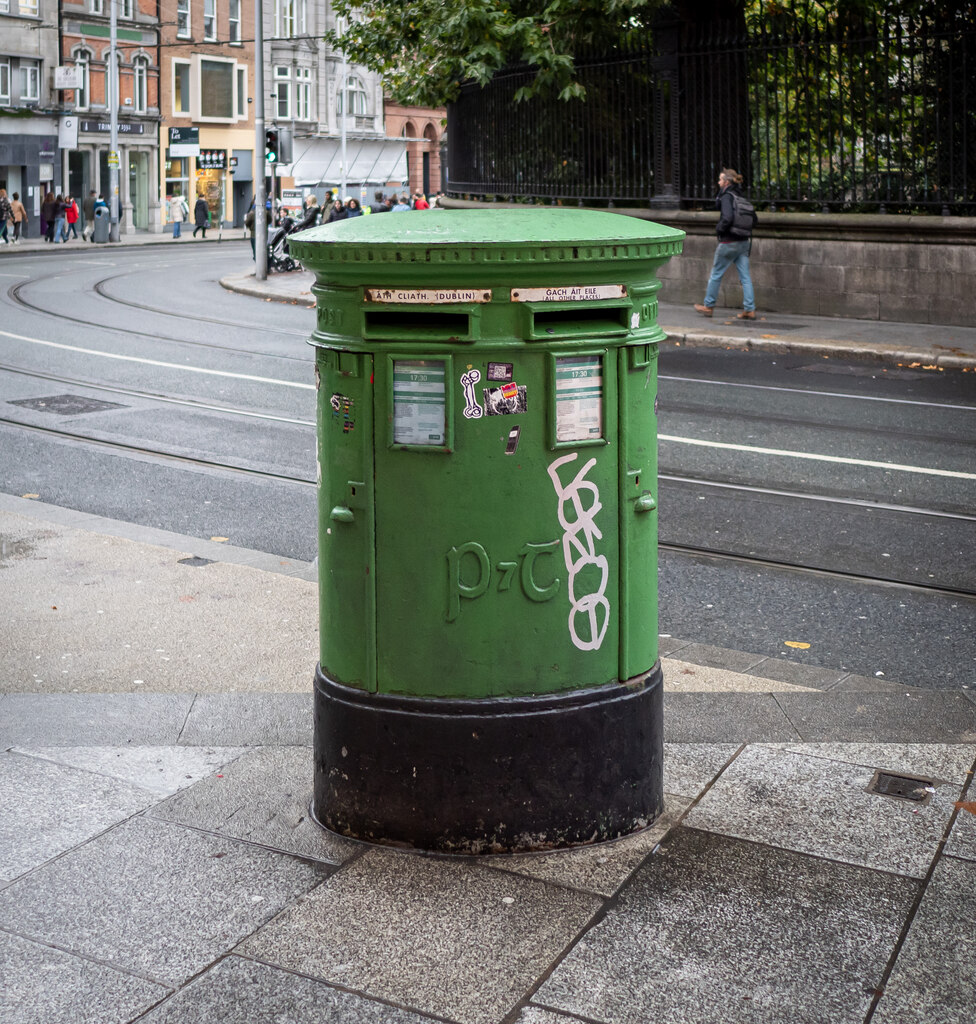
pixel 271 146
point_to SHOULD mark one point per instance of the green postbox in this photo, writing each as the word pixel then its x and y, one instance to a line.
pixel 487 449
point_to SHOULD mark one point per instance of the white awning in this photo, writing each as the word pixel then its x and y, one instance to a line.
pixel 369 161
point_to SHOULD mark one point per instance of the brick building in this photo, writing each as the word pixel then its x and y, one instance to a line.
pixel 85 45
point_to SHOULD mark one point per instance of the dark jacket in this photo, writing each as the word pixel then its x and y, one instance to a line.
pixel 723 201
pixel 201 212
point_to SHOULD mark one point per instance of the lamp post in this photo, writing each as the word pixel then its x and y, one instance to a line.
pixel 113 106
pixel 260 214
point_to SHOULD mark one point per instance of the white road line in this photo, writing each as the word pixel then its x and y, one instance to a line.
pixel 922 470
pixel 155 362
pixel 819 394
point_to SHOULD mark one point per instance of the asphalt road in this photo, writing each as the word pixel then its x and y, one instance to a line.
pixel 806 501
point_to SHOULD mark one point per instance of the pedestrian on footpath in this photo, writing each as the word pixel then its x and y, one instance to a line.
pixel 420 201
pixel 71 218
pixel 338 212
pixel 378 205
pixel 201 215
pixel 734 246
pixel 177 211
pixel 88 212
pixel 59 219
pixel 49 210
pixel 402 205
pixel 6 213
pixel 353 209
pixel 20 218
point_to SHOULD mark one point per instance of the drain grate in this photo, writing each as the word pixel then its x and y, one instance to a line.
pixel 902 787
pixel 66 405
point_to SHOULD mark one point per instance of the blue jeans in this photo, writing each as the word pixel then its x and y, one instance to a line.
pixel 727 253
pixel 58 229
pixel 176 228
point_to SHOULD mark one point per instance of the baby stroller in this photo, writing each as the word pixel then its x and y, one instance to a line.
pixel 278 256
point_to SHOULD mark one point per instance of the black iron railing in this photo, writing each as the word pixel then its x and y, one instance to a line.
pixel 819 107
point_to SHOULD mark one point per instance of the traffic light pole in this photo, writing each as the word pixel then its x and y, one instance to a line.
pixel 260 197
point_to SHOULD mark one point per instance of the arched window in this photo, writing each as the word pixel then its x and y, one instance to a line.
pixel 82 93
pixel 353 98
pixel 140 84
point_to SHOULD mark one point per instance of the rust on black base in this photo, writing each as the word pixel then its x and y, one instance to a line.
pixel 492 775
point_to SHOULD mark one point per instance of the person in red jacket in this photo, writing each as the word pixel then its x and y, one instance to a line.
pixel 71 216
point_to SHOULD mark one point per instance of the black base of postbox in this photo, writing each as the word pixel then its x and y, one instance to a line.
pixel 492 775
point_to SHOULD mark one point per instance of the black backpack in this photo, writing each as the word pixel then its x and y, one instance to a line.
pixel 743 217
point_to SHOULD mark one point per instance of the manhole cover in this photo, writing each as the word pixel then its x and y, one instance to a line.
pixel 902 787
pixel 195 560
pixel 66 405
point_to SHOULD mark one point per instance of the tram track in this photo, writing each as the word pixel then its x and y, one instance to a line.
pixel 14 294
pixel 713 553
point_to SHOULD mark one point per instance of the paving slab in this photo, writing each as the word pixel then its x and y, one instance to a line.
pixel 950 762
pixel 250 719
pixel 155 899
pixel 920 716
pixel 93 720
pixel 239 991
pixel 720 657
pixel 161 771
pixel 689 677
pixel 42 985
pixel 263 797
pixel 49 808
pixel 934 978
pixel 822 807
pixel 601 868
pixel 537 1015
pixel 813 676
pixel 714 930
pixel 690 767
pixel 446 937
pixel 726 718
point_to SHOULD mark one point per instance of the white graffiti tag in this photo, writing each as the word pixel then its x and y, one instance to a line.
pixel 579 537
pixel 472 409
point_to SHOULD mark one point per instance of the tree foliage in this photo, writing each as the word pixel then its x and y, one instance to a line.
pixel 426 49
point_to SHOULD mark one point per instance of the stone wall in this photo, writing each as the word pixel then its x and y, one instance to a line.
pixel 873 267
pixel 912 269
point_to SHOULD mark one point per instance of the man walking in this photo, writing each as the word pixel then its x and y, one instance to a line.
pixel 734 247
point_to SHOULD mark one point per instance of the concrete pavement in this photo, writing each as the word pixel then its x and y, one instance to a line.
pixel 158 862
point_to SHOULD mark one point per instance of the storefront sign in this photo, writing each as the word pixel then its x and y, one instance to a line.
pixel 104 126
pixel 211 159
pixel 68 133
pixel 184 142
pixel 69 77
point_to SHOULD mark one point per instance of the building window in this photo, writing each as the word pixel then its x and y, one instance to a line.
pixel 242 92
pixel 28 7
pixel 183 19
pixel 5 81
pixel 96 7
pixel 234 21
pixel 303 94
pixel 217 89
pixel 128 9
pixel 181 87
pixel 30 80
pixel 210 20
pixel 282 91
pixel 290 16
pixel 353 98
pixel 140 77
pixel 4 6
pixel 81 93
pixel 178 178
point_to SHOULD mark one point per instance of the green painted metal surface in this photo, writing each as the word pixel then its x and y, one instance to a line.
pixel 487 449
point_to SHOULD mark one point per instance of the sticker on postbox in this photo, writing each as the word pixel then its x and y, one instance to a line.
pixel 570 293
pixel 508 400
